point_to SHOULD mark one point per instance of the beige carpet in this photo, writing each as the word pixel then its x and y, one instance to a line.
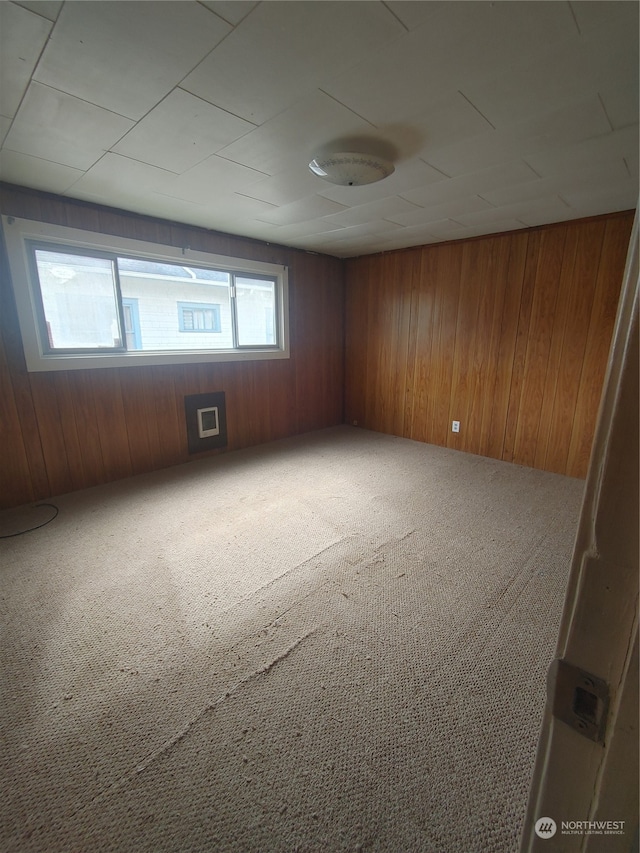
pixel 336 642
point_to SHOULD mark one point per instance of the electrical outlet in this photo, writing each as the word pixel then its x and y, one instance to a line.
pixel 455 426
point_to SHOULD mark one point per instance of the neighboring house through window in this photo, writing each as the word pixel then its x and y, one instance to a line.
pixel 131 323
pixel 198 317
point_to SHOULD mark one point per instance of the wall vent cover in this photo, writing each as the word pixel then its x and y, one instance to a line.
pixel 206 421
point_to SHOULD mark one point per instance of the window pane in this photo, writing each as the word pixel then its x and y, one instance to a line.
pixel 198 317
pixel 256 306
pixel 79 301
pixel 174 300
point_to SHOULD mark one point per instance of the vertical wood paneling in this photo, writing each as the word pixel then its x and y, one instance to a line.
pixel 394 309
pixel 412 271
pixel 501 392
pixel 356 337
pixel 423 327
pixel 14 468
pixel 168 413
pixel 507 334
pixel 584 246
pixel 495 304
pixel 374 324
pixel 71 430
pixel 601 324
pixel 138 412
pixel 87 426
pixel 523 321
pixel 112 428
pixel 436 306
pixel 554 363
pixel 69 427
pixel 545 296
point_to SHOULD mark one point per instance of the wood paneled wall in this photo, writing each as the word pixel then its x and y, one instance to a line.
pixel 62 431
pixel 508 334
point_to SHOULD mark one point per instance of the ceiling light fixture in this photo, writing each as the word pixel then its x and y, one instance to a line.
pixel 351 168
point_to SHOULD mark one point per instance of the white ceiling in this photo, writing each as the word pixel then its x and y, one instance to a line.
pixel 500 115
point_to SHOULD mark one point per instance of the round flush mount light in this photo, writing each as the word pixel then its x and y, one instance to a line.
pixel 351 168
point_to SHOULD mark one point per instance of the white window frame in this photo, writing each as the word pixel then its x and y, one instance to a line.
pixel 18 232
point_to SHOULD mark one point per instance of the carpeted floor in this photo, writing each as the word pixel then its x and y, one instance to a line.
pixel 337 642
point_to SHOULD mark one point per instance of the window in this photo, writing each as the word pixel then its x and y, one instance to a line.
pixel 195 317
pixel 88 300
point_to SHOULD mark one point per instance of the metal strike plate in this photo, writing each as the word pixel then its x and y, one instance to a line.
pixel 579 699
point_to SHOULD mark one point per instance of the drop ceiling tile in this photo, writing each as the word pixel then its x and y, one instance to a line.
pixel 115 176
pixel 558 74
pixel 180 132
pixel 533 88
pixel 205 182
pixel 496 227
pixel 311 207
pixel 257 230
pixel 40 174
pixel 45 8
pixel 620 195
pixel 355 249
pixel 145 205
pixel 5 124
pixel 554 213
pixel 289 141
pixel 386 208
pixel 64 129
pixel 543 209
pixel 621 103
pixel 573 123
pixel 286 187
pixel 434 213
pixel 449 122
pixel 224 219
pixel 586 154
pixel 604 204
pixel 568 180
pixel 418 235
pixel 443 227
pixel 22 37
pixel 412 14
pixel 404 239
pixel 127 56
pixel 343 248
pixel 231 11
pixel 594 18
pixel 281 51
pixel 236 214
pixel 362 231
pixel 510 34
pixel 476 183
pixel 306 228
pixel 379 89
pixel 631 164
pixel 462 42
pixel 240 207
